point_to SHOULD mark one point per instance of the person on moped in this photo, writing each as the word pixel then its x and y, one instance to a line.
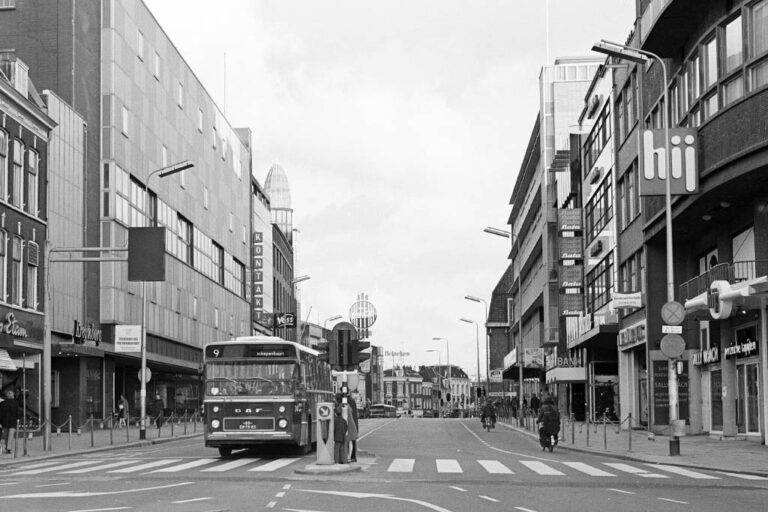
pixel 488 413
pixel 549 419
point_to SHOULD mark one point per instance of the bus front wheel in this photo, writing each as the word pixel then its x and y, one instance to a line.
pixel 225 451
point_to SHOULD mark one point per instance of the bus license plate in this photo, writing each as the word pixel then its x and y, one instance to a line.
pixel 248 424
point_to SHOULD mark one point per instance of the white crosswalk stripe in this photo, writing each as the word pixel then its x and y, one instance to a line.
pixel 186 465
pixel 586 468
pixel 448 466
pixel 401 466
pixel 39 465
pixel 148 465
pixel 684 472
pixel 50 469
pixel 743 476
pixel 275 464
pixel 541 468
pixel 229 465
pixel 100 467
pixel 633 470
pixel 495 467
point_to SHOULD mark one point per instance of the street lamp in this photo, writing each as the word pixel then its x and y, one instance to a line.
pixel 331 319
pixel 477 346
pixel 507 234
pixel 621 51
pixel 448 363
pixel 439 382
pixel 162 173
pixel 487 343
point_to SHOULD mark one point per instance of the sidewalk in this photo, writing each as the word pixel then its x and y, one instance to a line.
pixel 698 451
pixel 63 444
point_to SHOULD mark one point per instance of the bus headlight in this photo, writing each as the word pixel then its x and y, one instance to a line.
pixel 282 423
pixel 215 424
pixel 215 408
pixel 281 408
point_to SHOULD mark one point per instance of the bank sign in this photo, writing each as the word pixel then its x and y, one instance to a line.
pixel 681 160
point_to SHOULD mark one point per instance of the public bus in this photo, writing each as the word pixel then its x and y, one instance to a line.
pixel 383 411
pixel 262 390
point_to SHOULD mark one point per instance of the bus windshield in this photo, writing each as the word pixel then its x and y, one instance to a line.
pixel 228 378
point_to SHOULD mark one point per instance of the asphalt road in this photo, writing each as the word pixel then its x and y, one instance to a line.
pixel 407 465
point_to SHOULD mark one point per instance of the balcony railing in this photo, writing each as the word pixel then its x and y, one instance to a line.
pixel 731 272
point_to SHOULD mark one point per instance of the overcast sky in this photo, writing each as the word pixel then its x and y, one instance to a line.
pixel 401 126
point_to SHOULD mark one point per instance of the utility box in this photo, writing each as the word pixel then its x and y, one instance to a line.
pixel 146 254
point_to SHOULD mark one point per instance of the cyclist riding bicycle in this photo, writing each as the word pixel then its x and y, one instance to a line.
pixel 488 411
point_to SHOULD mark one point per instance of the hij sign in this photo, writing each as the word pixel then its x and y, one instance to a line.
pixel 682 161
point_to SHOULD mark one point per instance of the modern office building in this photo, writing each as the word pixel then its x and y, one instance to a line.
pixel 718 84
pixel 262 263
pixel 145 110
pixel 25 130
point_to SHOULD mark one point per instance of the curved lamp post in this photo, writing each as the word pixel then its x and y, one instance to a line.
pixel 487 343
pixel 477 346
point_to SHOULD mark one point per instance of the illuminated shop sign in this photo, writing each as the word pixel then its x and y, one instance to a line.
pixel 708 356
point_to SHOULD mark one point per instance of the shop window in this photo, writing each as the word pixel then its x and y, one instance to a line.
pixel 716 398
pixel 55 393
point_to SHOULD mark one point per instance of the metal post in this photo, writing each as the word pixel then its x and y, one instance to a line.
pixel 111 429
pixel 143 371
pixel 587 429
pixel 69 437
pixel 629 433
pixel 573 430
pixel 46 362
pixel 185 423
pixel 91 420
pixel 171 424
pixel 605 433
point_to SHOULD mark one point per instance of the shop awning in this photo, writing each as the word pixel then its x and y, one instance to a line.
pixel 567 374
pixel 6 363
pixel 601 336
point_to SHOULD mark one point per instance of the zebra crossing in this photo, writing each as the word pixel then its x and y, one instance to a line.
pixel 246 465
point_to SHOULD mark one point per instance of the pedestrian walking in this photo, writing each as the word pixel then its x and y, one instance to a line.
pixel 353 428
pixel 9 417
pixel 158 409
pixel 340 437
pixel 122 411
pixel 535 404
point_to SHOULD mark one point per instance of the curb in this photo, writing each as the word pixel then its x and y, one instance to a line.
pixel 328 469
pixel 627 457
pixel 133 444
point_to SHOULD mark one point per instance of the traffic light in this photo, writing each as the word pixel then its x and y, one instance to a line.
pixel 345 349
pixel 448 396
pixel 358 356
pixel 479 392
pixel 329 352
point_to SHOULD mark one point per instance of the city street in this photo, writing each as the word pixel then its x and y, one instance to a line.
pixel 407 465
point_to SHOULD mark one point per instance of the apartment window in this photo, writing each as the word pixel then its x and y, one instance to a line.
pixel 7 4
pixel 733 45
pixel 180 95
pixel 231 221
pixel 758 77
pixel 245 234
pixel 33 261
pixel 164 155
pixel 599 209
pixel 759 27
pixel 206 198
pixel 684 104
pixel 733 90
pixel 32 181
pixel 234 275
pixel 17 177
pixel 693 79
pixel 629 195
pixel 216 317
pixel 157 66
pixel 3 265
pixel 674 105
pixel 124 120
pixel 3 166
pixel 140 44
pixel 709 74
pixel 599 284
pixel 194 308
pixel 215 137
pixel 200 120
pixel 16 276
pixel 184 240
pixel 621 123
pixel 630 104
pixel 710 105
pixel 598 137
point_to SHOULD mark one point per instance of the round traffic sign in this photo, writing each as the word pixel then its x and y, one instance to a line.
pixel 148 374
pixel 324 411
pixel 673 313
pixel 672 345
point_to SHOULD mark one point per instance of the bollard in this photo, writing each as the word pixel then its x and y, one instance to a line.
pixel 573 430
pixel 91 421
pixel 587 430
pixel 171 424
pixel 127 427
pixel 69 442
pixel 629 433
pixel 25 437
pixel 194 419
pixel 16 440
pixel 605 434
pixel 185 423
pixel 111 429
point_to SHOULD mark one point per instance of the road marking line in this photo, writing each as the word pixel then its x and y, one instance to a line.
pixel 743 476
pixel 401 466
pixel 230 465
pixel 52 485
pixel 619 490
pixel 271 504
pixel 457 488
pixel 489 498
pixel 148 465
pixel 101 509
pixel 38 465
pixel 684 472
pixel 187 465
pixel 528 455
pixel 495 467
pixel 9 483
pixel 56 468
pixel 87 494
pixel 281 494
pixel 374 430
pixel 674 501
pixel 287 486
pixel 541 468
pixel 98 468
pixel 633 470
pixel 524 509
pixel 275 464
pixel 193 500
pixel 448 466
pixel 586 468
